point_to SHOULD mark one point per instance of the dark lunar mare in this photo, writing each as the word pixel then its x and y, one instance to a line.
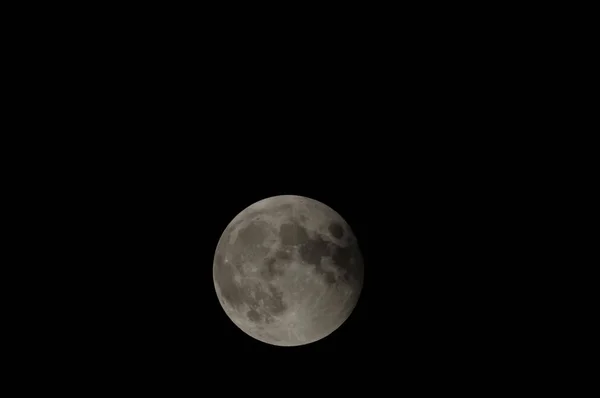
pixel 292 234
pixel 313 250
pixel 336 230
pixel 254 233
pixel 341 256
pixel 272 268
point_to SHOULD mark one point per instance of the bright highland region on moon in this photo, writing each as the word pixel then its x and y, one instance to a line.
pixel 288 270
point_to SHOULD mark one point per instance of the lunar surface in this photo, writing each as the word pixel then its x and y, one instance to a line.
pixel 288 270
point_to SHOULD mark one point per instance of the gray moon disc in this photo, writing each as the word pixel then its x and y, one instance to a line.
pixel 288 270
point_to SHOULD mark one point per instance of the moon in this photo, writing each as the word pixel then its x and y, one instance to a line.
pixel 288 270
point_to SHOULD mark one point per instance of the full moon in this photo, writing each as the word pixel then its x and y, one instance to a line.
pixel 288 271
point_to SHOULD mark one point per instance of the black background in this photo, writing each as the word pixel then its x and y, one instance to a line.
pixel 161 143
pixel 150 217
